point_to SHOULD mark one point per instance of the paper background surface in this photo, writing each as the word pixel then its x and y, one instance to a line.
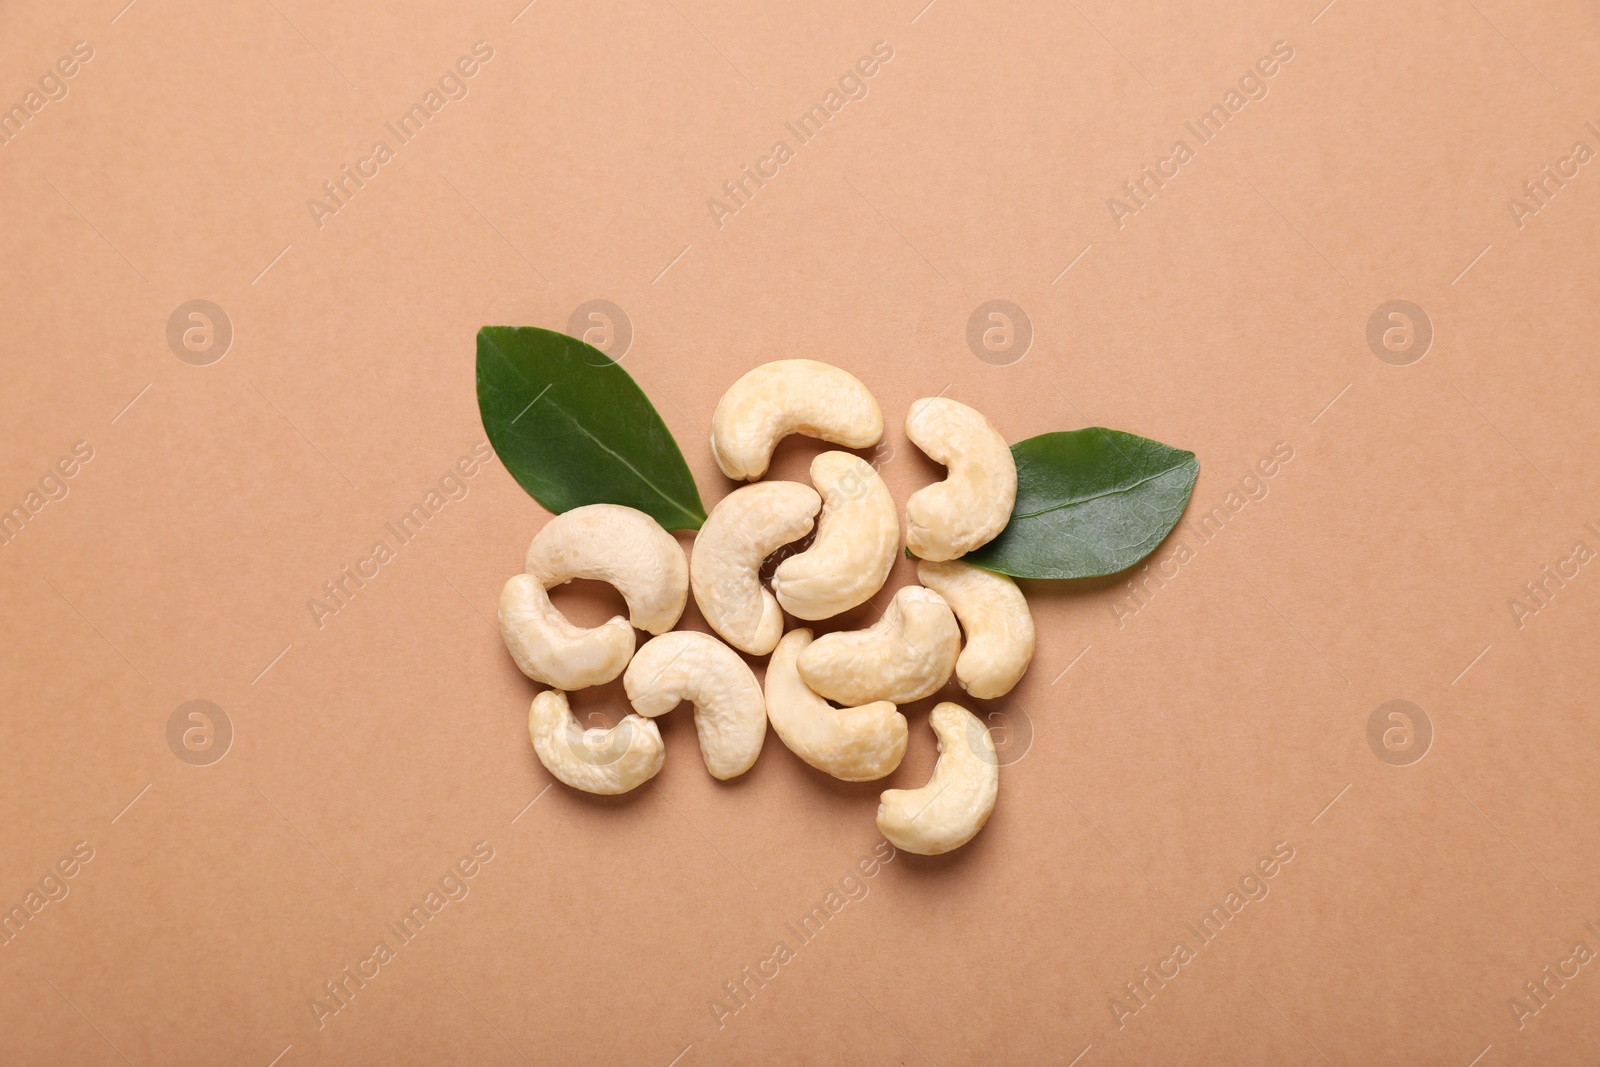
pixel 1172 746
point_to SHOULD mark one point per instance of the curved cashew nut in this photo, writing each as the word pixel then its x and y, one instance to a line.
pixel 622 546
pixel 790 396
pixel 744 527
pixel 550 649
pixel 950 810
pixel 904 656
pixel 854 550
pixel 729 713
pixel 951 518
pixel 594 760
pixel 998 624
pixel 858 744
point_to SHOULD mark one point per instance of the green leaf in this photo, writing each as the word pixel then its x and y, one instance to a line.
pixel 574 428
pixel 1089 502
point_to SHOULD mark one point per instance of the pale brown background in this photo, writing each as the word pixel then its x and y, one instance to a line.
pixel 369 754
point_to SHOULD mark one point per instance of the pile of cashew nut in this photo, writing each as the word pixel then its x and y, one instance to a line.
pixel 832 701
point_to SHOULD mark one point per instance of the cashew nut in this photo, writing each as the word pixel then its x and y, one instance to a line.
pixel 854 550
pixel 729 712
pixel 998 625
pixel 858 744
pixel 552 650
pixel 951 518
pixel 904 656
pixel 790 396
pixel 950 810
pixel 594 760
pixel 744 527
pixel 619 545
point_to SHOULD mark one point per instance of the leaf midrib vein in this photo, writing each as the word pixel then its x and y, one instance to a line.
pixel 1097 496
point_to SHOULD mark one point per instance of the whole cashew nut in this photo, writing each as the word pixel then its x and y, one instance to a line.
pixel 552 650
pixel 622 546
pixel 790 396
pixel 857 537
pixel 950 810
pixel 858 744
pixel 904 656
pixel 594 760
pixel 730 714
pixel 744 527
pixel 998 625
pixel 951 518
